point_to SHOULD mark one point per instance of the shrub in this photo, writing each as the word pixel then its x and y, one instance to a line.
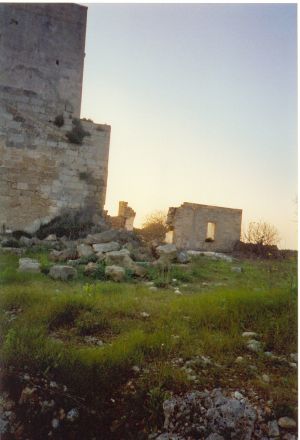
pixel 73 224
pixel 154 227
pixel 59 120
pixel 99 273
pixel 77 134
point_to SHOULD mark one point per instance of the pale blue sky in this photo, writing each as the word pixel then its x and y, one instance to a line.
pixel 202 100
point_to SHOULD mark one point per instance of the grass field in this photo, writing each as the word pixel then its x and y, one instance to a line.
pixel 44 325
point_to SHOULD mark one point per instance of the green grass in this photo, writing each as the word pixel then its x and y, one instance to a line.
pixel 217 305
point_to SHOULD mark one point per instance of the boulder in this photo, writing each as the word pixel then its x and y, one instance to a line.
pixel 10 242
pixel 101 248
pixel 51 237
pixel 120 258
pixel 287 423
pixel 254 345
pixel 209 415
pixel 90 269
pixel 214 255
pixel 29 265
pixel 25 241
pixel 84 250
pixel 167 253
pixel 183 257
pixel 103 237
pixel 115 273
pixel 139 253
pixel 66 254
pixel 64 273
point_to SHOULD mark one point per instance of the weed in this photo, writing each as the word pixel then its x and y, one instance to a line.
pixel 77 134
pixel 59 120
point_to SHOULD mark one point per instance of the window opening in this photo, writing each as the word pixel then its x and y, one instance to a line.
pixel 210 233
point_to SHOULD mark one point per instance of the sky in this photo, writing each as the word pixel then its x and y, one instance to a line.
pixel 202 103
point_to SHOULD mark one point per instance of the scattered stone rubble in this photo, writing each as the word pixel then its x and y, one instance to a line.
pixel 221 415
pixel 120 250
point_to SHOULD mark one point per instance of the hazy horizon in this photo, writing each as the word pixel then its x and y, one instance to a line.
pixel 202 101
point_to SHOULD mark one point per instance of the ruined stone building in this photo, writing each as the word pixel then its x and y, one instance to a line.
pixel 49 159
pixel 124 219
pixel 204 227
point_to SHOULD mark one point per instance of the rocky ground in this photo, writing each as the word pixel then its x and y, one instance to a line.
pixel 215 405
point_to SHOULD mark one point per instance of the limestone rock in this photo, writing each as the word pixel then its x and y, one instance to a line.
pixel 84 250
pixel 254 345
pixel 236 269
pixel 167 254
pixel 51 237
pixel 209 415
pixel 273 429
pixel 287 423
pixel 249 335
pixel 29 265
pixel 183 257
pixel 214 255
pixel 90 269
pixel 103 237
pixel 120 258
pixel 25 241
pixel 116 273
pixel 64 273
pixel 215 436
pixel 64 255
pixel 101 248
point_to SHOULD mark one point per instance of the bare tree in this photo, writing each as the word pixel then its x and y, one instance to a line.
pixel 154 226
pixel 262 233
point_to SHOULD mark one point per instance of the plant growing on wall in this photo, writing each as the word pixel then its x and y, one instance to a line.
pixel 59 120
pixel 78 133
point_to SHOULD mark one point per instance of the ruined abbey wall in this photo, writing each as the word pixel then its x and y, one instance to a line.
pixel 204 227
pixel 41 171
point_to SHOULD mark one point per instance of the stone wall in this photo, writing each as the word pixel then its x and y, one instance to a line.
pixel 42 51
pixel 41 171
pixel 189 224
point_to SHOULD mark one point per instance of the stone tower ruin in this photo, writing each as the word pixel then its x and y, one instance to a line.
pixel 50 160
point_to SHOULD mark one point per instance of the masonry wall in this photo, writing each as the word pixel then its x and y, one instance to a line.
pixel 41 172
pixel 189 225
pixel 42 51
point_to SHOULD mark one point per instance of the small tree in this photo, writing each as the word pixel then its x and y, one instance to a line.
pixel 154 227
pixel 261 233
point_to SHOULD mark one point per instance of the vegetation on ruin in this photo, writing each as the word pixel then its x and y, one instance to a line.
pixel 59 120
pixel 154 227
pixel 149 329
pixel 261 233
pixel 78 133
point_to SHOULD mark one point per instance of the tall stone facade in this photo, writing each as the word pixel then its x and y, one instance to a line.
pixel 42 168
pixel 204 227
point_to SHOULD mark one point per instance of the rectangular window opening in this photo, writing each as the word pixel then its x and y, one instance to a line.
pixel 210 233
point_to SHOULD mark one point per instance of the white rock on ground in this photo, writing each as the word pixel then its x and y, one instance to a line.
pixel 249 335
pixel 115 273
pixel 254 345
pixel 84 250
pixel 100 248
pixel 103 237
pixel 273 429
pixel 29 265
pixel 61 272
pixel 287 423
pixel 51 237
pixel 214 255
pixel 167 253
